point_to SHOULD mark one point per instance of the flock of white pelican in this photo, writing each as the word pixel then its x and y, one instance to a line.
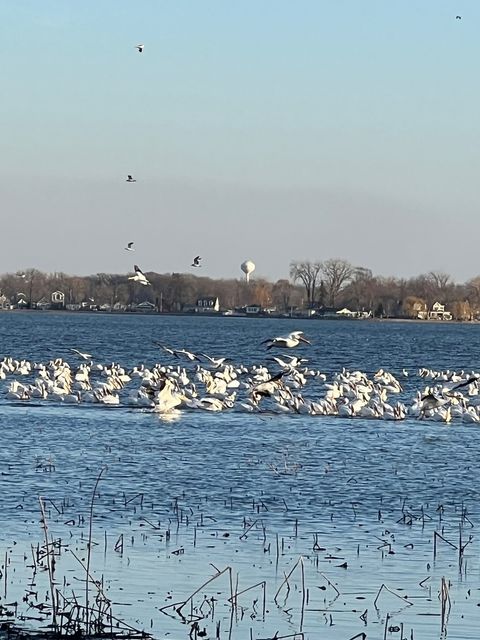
pixel 284 385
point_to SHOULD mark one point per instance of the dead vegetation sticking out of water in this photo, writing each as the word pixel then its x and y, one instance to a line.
pixel 204 611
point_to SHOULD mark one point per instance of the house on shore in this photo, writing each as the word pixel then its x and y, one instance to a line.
pixel 145 307
pixel 207 304
pixel 346 313
pixel 57 300
pixel 252 309
pixel 437 312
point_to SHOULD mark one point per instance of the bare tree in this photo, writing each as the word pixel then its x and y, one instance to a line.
pixel 337 273
pixel 388 301
pixel 281 294
pixel 262 292
pixel 309 274
pixel 461 310
pixel 34 284
pixel 359 292
pixel 439 279
pixel 442 285
pixel 473 293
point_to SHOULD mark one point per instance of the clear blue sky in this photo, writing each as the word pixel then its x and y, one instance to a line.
pixel 264 129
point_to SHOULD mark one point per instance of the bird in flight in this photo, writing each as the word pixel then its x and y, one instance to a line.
pixel 140 47
pixel 129 247
pixel 84 356
pixel 139 276
pixel 196 262
pixel 289 341
pixel 216 362
pixel 130 179
pixel 458 17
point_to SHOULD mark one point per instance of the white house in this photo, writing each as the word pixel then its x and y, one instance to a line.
pixel 438 312
pixel 58 300
pixel 346 313
pixel 208 304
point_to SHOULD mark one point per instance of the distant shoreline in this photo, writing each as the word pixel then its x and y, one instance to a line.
pixel 226 317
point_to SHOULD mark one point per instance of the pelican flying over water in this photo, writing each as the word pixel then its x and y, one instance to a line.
pixel 84 356
pixel 289 341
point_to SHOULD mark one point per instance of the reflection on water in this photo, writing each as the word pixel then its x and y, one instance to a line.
pixel 339 507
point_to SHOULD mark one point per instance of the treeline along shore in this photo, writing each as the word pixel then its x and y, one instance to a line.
pixel 333 288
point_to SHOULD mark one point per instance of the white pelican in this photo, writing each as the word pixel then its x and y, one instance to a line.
pixel 84 356
pixel 139 276
pixel 140 48
pixel 196 262
pixel 130 179
pixel 289 341
pixel 187 354
pixel 216 362
pixel 129 247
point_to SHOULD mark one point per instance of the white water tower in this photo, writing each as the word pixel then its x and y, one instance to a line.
pixel 247 267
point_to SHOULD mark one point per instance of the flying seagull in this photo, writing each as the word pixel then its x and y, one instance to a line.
pixel 196 262
pixel 139 276
pixel 84 356
pixel 289 341
pixel 129 247
pixel 130 179
pixel 140 47
pixel 458 17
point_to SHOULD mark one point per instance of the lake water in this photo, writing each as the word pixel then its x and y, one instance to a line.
pixel 349 505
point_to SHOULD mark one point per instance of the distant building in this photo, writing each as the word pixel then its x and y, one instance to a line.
pixel 326 312
pixel 208 304
pixel 253 309
pixel 419 308
pixel 88 304
pixel 58 300
pixel 438 312
pixel 346 313
pixel 145 307
pixel 43 304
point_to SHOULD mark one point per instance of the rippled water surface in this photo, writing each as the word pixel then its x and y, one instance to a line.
pixel 348 505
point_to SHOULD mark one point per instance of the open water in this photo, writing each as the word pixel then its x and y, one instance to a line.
pixel 348 505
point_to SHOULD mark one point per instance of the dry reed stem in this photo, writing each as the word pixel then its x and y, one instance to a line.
pixel 384 586
pixel 49 564
pixel 286 579
pixel 89 549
